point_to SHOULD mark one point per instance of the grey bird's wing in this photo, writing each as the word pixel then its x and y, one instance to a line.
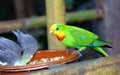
pixel 9 57
pixel 28 44
pixel 9 44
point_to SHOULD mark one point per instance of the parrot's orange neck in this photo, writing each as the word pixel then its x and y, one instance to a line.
pixel 60 38
pixel 60 35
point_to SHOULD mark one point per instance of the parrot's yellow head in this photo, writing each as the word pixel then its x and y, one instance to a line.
pixel 55 29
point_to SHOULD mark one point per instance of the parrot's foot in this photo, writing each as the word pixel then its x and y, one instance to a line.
pixel 67 51
pixel 80 50
pixel 79 53
pixel 70 50
pixel 73 51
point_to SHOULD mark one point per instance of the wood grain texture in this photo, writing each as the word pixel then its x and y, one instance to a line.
pixel 101 66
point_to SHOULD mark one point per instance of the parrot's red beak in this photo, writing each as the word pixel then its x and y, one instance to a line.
pixel 51 32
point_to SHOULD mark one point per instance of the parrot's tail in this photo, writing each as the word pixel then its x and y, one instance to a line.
pixel 99 49
pixel 102 43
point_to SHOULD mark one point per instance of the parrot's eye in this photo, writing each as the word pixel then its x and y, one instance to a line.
pixel 57 28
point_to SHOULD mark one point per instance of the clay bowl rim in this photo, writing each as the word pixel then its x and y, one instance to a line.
pixel 71 58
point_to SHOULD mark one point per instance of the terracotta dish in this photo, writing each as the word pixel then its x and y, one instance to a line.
pixel 18 70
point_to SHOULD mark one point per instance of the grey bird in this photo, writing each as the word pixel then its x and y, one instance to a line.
pixel 10 52
pixel 28 44
pixel 9 44
pixel 9 57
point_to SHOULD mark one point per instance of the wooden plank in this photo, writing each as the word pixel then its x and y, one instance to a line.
pixel 101 66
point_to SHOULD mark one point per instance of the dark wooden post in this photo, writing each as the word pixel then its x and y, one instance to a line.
pixel 112 24
pixel 110 29
pixel 23 8
pixel 19 8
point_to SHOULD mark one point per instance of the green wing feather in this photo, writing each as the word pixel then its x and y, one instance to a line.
pixel 100 43
pixel 84 38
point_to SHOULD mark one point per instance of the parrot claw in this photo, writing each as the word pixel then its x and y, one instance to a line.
pixel 73 51
pixel 80 50
pixel 70 50
pixel 77 52
pixel 67 51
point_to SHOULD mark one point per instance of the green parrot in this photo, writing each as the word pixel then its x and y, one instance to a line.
pixel 79 38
